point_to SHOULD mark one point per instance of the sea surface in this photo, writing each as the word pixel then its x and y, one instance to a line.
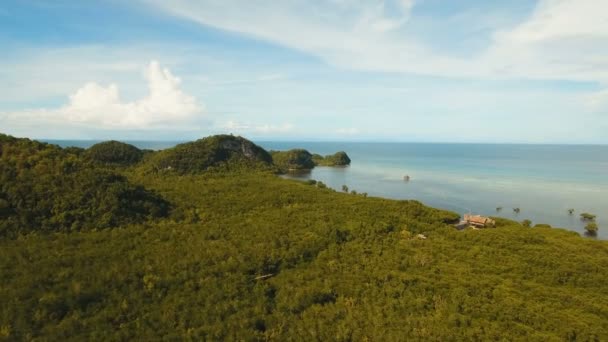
pixel 544 181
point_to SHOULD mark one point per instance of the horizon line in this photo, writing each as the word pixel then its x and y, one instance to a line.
pixel 370 141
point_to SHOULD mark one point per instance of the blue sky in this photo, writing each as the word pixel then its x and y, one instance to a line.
pixel 358 70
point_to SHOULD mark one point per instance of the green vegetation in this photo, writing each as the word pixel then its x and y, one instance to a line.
pixel 115 153
pixel 215 153
pixel 587 217
pixel 570 211
pixel 526 223
pixel 542 225
pixel 591 228
pixel 336 159
pixel 300 159
pixel 516 210
pixel 296 159
pixel 46 188
pixel 246 255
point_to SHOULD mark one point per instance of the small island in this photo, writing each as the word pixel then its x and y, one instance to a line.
pixel 301 159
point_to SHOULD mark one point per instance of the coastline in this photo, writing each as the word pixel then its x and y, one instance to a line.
pixel 531 177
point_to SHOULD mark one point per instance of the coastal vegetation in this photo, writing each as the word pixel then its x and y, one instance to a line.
pixel 293 160
pixel 587 217
pixel 337 159
pixel 591 228
pixel 223 249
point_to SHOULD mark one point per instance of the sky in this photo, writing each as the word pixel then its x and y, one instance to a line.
pixel 519 71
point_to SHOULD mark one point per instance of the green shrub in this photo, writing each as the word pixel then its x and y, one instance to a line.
pixel 587 217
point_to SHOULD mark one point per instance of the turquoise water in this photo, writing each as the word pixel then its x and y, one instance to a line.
pixel 544 181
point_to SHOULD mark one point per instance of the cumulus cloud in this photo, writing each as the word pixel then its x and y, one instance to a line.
pixel 165 105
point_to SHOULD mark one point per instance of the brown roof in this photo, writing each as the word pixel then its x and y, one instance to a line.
pixel 478 219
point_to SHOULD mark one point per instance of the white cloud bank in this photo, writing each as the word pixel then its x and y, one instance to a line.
pixel 165 106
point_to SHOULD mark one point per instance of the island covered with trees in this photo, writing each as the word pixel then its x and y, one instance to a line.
pixel 204 242
pixel 300 159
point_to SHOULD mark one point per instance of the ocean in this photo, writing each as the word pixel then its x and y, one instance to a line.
pixel 544 181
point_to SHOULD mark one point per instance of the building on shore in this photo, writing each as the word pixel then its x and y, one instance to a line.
pixel 476 221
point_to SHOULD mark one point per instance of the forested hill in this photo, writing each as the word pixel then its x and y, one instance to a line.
pixel 223 152
pixel 241 254
pixel 45 188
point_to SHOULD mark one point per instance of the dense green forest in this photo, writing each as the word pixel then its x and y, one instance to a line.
pixel 204 242
pixel 47 188
pixel 220 152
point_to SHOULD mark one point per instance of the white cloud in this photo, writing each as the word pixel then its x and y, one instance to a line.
pixel 47 73
pixel 239 127
pixel 347 131
pixel 597 101
pixel 562 39
pixel 95 105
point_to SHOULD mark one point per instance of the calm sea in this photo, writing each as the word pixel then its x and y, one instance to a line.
pixel 544 181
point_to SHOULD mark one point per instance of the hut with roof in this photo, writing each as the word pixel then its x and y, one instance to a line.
pixel 478 221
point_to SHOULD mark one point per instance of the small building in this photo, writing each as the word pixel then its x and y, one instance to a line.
pixel 478 221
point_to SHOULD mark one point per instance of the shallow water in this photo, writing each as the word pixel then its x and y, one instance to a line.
pixel 544 181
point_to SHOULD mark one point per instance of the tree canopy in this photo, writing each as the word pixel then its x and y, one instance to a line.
pixel 46 188
pixel 115 152
pixel 337 159
pixel 295 159
pixel 246 255
pixel 214 152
